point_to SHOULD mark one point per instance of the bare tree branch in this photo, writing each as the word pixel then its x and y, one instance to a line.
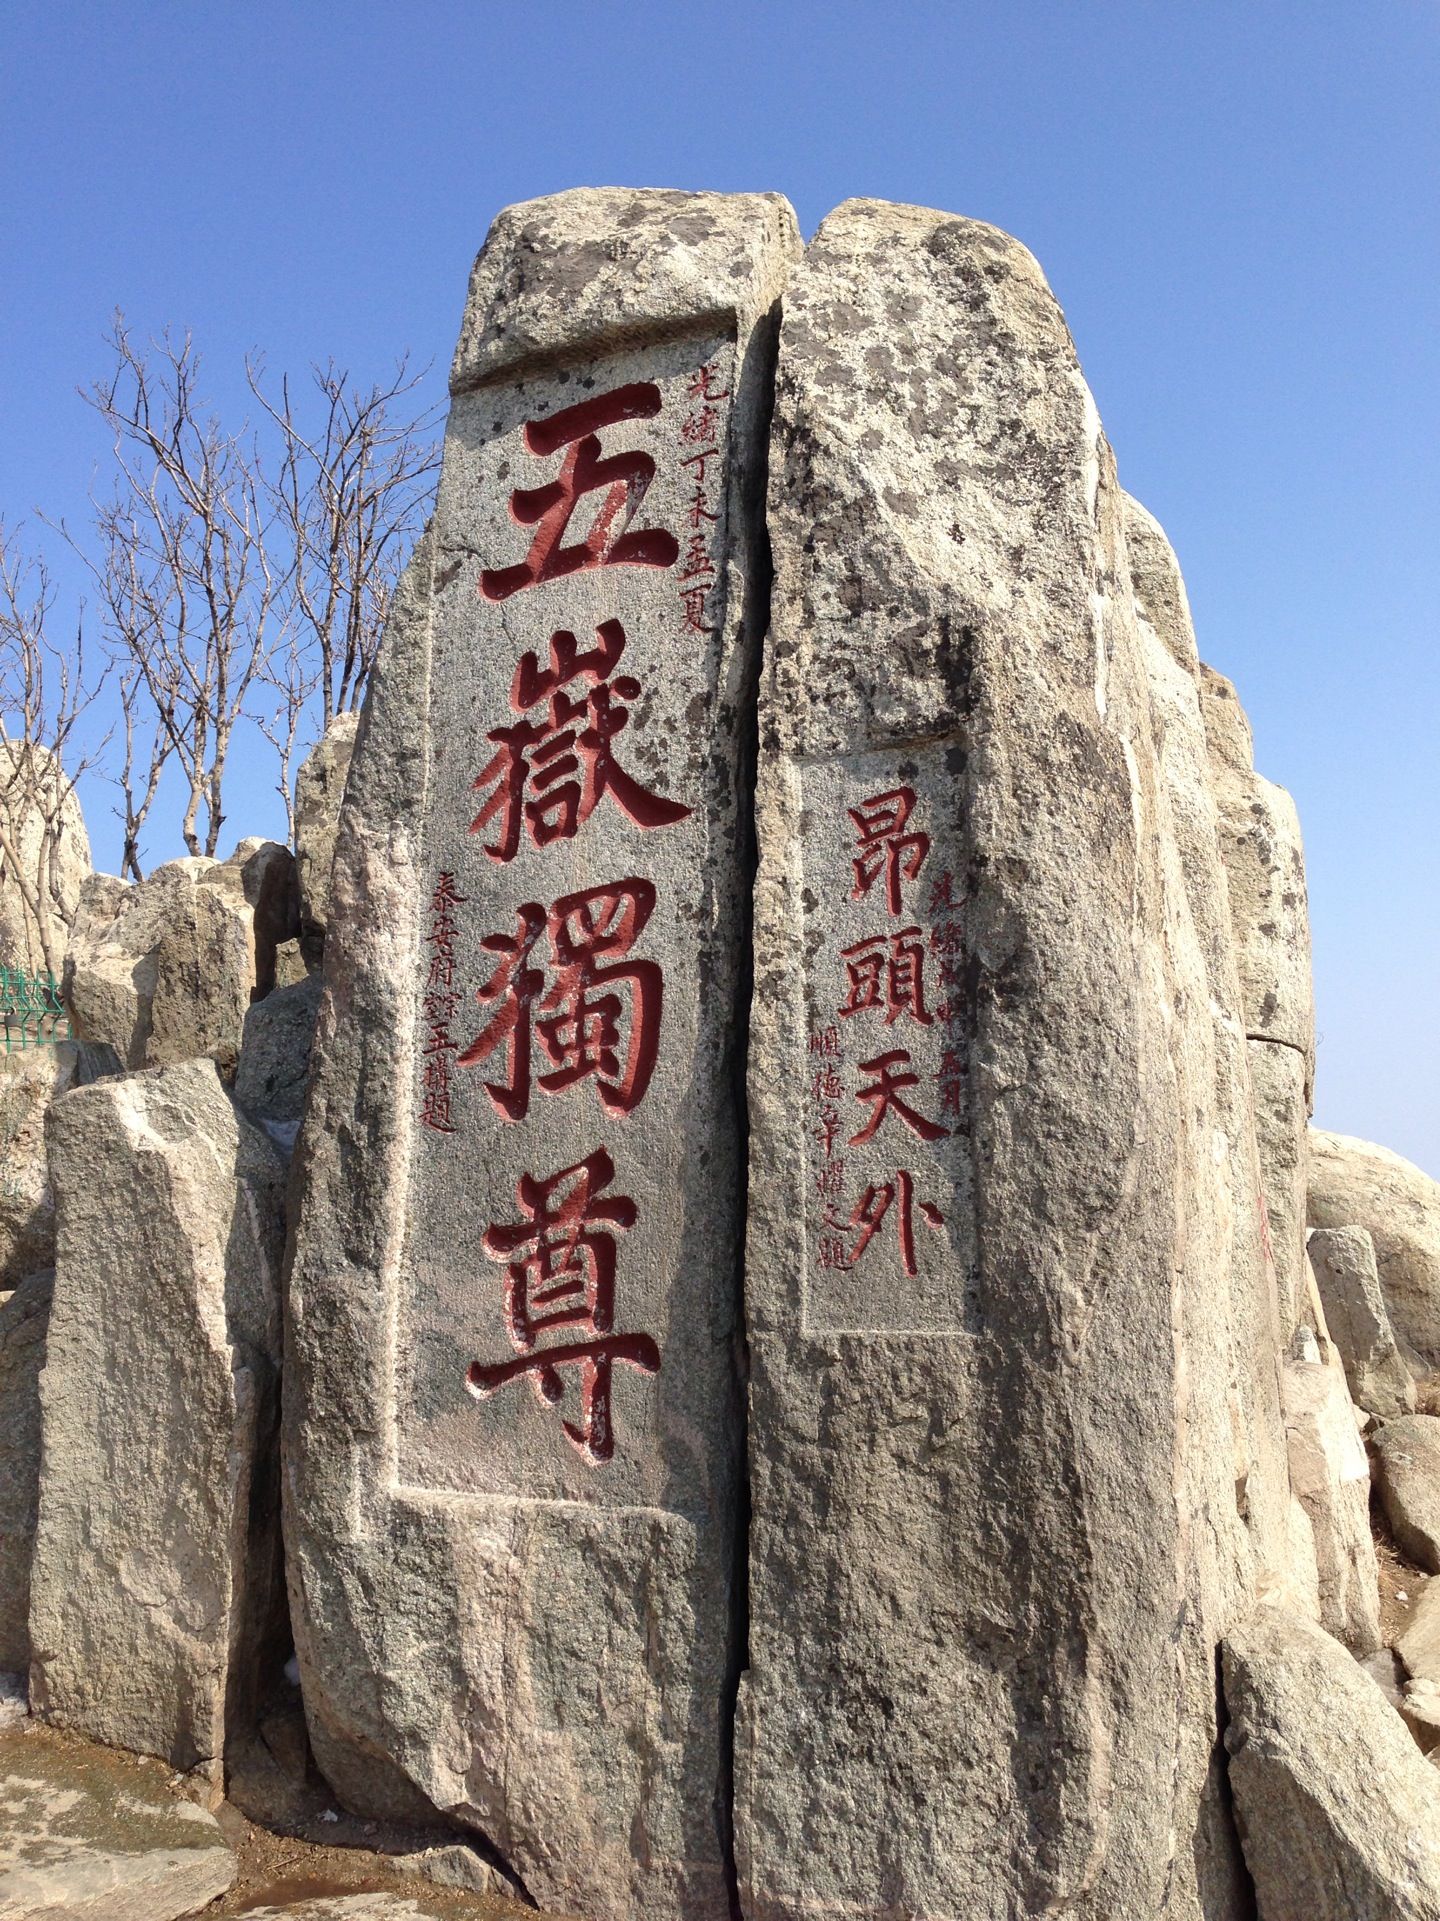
pixel 45 691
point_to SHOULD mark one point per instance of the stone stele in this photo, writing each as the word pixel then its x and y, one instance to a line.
pixel 991 1277
pixel 512 1402
pixel 156 1552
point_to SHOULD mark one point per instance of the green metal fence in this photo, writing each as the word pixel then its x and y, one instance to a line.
pixel 31 1009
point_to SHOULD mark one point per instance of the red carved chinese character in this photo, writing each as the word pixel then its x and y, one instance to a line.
pixel 561 1265
pixel 828 1132
pixel 951 1074
pixel 883 846
pixel 440 1003
pixel 565 759
pixel 584 1033
pixel 826 1085
pixel 875 1203
pixel 700 387
pixel 515 986
pixel 884 1092
pixel 831 1252
pixel 887 972
pixel 831 1179
pixel 826 1042
pixel 942 894
pixel 693 601
pixel 623 478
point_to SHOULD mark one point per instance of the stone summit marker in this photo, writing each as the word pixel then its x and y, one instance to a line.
pixel 512 1422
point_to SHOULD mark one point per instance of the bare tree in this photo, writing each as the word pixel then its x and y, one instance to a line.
pixel 193 606
pixel 351 497
pixel 45 691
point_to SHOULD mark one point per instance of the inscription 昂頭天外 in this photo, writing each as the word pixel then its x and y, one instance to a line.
pixel 889 1181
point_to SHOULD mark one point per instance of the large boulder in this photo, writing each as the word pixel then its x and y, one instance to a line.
pixel 1407 1479
pixel 29 1081
pixel 513 1531
pixel 1339 1812
pixel 44 859
pixel 156 1568
pixel 165 969
pixel 1005 1285
pixel 1353 1183
pixel 1330 1477
pixel 24 1316
pixel 1347 1279
pixel 319 790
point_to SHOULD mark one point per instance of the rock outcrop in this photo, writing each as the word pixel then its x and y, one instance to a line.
pixel 1356 1184
pixel 319 790
pixel 1330 1477
pixel 165 969
pixel 1407 1479
pixel 155 1572
pixel 1348 1280
pixel 1339 1812
pixel 989 1267
pixel 24 1316
pixel 1265 883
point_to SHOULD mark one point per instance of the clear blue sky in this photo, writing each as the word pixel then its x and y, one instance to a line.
pixel 1236 204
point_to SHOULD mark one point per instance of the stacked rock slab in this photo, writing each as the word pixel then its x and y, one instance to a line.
pixel 44 858
pixel 989 1324
pixel 164 969
pixel 1354 1183
pixel 512 1426
pixel 1265 875
pixel 319 790
pixel 1342 1260
pixel 156 1569
pixel 24 1314
pixel 1339 1811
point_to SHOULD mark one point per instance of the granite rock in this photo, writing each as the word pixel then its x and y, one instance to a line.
pixel 1343 1262
pixel 1330 1477
pixel 1265 872
pixel 981 1344
pixel 155 1573
pixel 515 1598
pixel 87 1835
pixel 273 1075
pixel 1407 1478
pixel 165 969
pixel 1353 1183
pixel 24 1316
pixel 1339 1813
pixel 319 790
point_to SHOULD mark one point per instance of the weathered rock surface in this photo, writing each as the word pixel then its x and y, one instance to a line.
pixel 514 1600
pixel 165 969
pixel 1343 1262
pixel 29 1081
pixel 44 859
pixel 1353 1183
pixel 1330 1476
pixel 87 1835
pixel 156 1553
pixel 981 1344
pixel 1282 1116
pixel 1419 1646
pixel 361 1907
pixel 1265 872
pixel 1339 1813
pixel 457 1867
pixel 319 790
pixel 1407 1476
pixel 273 1076
pixel 23 1320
